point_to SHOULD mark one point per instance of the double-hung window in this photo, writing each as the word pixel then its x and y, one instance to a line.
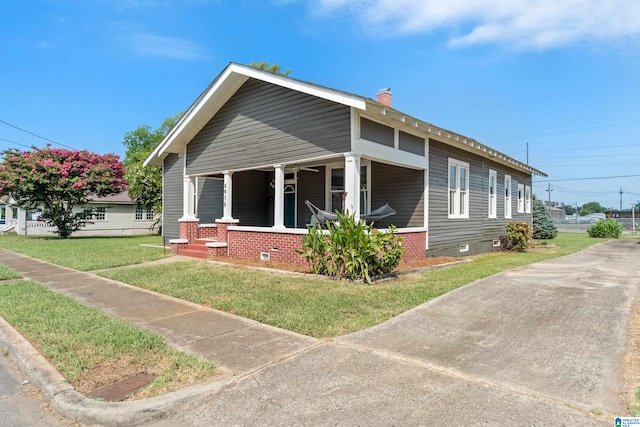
pixel 527 199
pixel 458 189
pixel 139 212
pixel 493 194
pixel 507 196
pixel 520 198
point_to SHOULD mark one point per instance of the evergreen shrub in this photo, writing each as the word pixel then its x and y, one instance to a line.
pixel 609 228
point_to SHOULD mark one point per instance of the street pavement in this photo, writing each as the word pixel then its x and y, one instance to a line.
pixel 539 345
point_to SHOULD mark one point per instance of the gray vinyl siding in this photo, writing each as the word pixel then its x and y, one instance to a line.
pixel 264 124
pixel 446 235
pixel 172 188
pixel 210 199
pixel 252 200
pixel 411 143
pixel 311 186
pixel 403 189
pixel 376 132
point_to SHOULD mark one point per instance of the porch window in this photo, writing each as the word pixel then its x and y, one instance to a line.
pixel 493 193
pixel 458 189
pixel 527 199
pixel 507 196
pixel 337 189
pixel 520 198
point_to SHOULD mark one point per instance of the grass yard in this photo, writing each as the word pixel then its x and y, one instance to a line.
pixel 91 349
pixel 86 253
pixel 322 308
pixel 7 273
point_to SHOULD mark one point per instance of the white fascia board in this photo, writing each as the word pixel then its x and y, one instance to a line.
pixel 219 92
pixel 301 86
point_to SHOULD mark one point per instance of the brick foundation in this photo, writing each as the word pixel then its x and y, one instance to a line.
pixel 207 231
pixel 280 246
pixel 189 230
pixel 415 245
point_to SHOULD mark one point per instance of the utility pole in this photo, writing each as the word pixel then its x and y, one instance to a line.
pixel 549 190
pixel 620 199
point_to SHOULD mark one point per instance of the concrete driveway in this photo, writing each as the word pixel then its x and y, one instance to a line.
pixel 539 345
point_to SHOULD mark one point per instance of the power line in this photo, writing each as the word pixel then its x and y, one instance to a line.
pixel 585 179
pixel 13 142
pixel 36 135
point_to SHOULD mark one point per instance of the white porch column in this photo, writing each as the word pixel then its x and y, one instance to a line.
pixel 227 194
pixel 278 200
pixel 352 183
pixel 188 195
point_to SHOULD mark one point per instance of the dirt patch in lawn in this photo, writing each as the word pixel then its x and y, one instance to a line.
pixel 404 266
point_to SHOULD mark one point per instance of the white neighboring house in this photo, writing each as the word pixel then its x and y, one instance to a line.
pixel 116 215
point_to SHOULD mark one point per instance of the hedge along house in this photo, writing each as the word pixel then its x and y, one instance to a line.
pixel 239 165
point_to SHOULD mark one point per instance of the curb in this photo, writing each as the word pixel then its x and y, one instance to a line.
pixel 65 400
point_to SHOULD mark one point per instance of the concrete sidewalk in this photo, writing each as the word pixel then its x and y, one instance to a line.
pixel 237 345
pixel 539 345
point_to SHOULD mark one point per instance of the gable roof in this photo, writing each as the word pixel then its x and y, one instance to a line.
pixel 235 75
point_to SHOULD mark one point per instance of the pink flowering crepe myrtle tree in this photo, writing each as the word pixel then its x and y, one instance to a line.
pixel 57 180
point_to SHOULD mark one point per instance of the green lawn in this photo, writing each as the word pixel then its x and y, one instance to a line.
pixel 86 253
pixel 7 273
pixel 86 345
pixel 323 308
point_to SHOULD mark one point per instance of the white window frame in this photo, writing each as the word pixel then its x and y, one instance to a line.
pixel 458 200
pixel 139 215
pixel 507 197
pixel 150 214
pixel 493 194
pixel 101 211
pixel 520 198
pixel 527 199
pixel 365 193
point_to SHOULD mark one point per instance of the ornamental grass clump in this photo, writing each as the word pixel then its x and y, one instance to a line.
pixel 609 229
pixel 351 249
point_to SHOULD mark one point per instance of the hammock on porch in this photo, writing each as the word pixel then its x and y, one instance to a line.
pixel 321 217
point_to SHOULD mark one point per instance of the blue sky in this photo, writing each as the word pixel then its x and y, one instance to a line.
pixel 562 76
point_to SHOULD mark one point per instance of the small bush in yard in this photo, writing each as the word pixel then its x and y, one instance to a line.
pixel 352 249
pixel 543 226
pixel 518 236
pixel 606 229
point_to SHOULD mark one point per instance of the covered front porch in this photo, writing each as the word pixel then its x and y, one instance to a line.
pixel 261 213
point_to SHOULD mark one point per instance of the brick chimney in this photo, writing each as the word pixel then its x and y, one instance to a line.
pixel 384 96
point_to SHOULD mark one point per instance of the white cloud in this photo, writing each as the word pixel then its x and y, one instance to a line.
pixel 162 46
pixel 519 23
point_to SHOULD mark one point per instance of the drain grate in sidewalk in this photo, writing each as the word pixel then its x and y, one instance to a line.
pixel 120 390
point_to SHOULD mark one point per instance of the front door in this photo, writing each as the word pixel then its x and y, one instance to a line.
pixel 290 204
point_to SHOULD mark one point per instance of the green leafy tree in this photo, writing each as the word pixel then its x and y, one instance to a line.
pixel 592 207
pixel 57 181
pixel 145 182
pixel 569 210
pixel 274 68
pixel 543 226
